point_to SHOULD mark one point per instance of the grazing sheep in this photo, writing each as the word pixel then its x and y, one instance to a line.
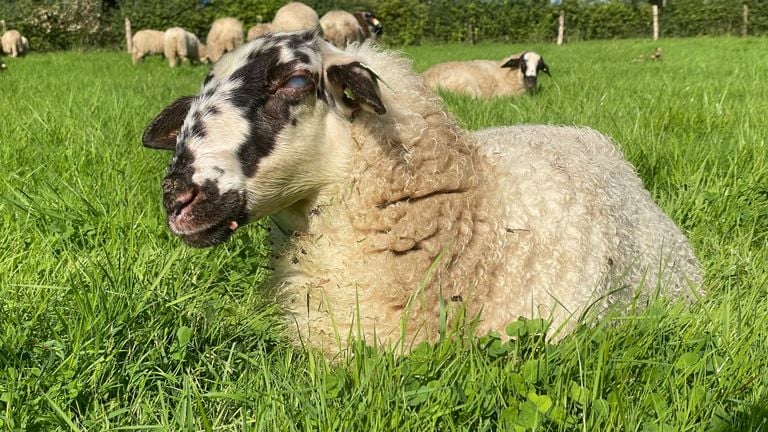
pixel 370 24
pixel 515 75
pixel 14 44
pixel 259 30
pixel 386 213
pixel 226 35
pixel 295 16
pixel 182 45
pixel 147 42
pixel 341 28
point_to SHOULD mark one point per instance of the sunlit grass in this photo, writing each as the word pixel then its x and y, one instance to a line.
pixel 108 322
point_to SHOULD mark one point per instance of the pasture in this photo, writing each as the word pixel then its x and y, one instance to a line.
pixel 109 322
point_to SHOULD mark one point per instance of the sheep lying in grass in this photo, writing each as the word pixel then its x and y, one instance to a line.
pixel 295 16
pixel 387 213
pixel 180 45
pixel 14 44
pixel 226 35
pixel 147 42
pixel 515 75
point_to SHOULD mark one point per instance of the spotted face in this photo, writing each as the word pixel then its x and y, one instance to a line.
pixel 530 64
pixel 249 144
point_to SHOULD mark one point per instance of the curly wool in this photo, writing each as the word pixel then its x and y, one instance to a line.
pixel 521 221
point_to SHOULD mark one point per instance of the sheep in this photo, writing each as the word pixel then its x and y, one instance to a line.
pixel 259 30
pixel 370 24
pixel 341 28
pixel 385 213
pixel 295 16
pixel 147 42
pixel 226 35
pixel 14 44
pixel 515 75
pixel 180 45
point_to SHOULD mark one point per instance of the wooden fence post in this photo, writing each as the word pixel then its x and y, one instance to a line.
pixel 745 20
pixel 655 10
pixel 561 27
pixel 128 36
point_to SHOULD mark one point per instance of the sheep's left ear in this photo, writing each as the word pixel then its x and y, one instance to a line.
pixel 513 63
pixel 162 132
pixel 354 87
pixel 543 67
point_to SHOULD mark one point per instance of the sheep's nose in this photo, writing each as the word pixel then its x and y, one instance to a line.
pixel 530 82
pixel 177 196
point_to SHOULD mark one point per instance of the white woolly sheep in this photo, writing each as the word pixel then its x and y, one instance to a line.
pixel 386 213
pixel 14 44
pixel 180 45
pixel 515 75
pixel 226 35
pixel 147 42
pixel 259 30
pixel 295 16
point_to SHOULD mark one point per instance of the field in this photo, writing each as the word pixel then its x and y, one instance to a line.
pixel 108 322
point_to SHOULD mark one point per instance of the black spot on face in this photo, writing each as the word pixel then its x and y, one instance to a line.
pixel 261 101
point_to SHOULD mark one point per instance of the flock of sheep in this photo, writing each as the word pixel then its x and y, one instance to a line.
pixel 226 34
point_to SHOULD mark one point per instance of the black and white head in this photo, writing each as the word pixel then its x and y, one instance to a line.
pixel 530 64
pixel 255 140
pixel 374 24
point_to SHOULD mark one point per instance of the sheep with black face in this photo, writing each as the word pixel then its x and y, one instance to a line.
pixel 515 75
pixel 390 214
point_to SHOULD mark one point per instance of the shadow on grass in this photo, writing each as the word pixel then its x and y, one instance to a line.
pixel 752 418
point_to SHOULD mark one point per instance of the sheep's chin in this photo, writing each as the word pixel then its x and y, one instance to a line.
pixel 212 236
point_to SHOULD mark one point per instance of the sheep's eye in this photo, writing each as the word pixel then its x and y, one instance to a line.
pixel 297 82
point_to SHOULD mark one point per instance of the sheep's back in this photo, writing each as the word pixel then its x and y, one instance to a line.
pixel 479 78
pixel 580 217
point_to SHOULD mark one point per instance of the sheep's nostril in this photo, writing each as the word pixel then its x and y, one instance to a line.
pixel 181 202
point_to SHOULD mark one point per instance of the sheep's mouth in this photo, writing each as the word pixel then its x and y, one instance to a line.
pixel 202 216
pixel 216 234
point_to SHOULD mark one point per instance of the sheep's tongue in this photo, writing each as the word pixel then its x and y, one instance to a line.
pixel 233 225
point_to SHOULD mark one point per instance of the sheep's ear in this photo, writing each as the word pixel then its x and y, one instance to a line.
pixel 543 67
pixel 354 87
pixel 162 132
pixel 513 63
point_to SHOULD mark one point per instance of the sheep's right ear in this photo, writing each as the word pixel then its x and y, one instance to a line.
pixel 513 63
pixel 162 132
pixel 354 87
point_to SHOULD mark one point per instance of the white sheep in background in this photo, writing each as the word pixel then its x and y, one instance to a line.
pixel 295 16
pixel 147 42
pixel 14 44
pixel 226 35
pixel 342 28
pixel 180 44
pixel 259 30
pixel 387 212
pixel 515 75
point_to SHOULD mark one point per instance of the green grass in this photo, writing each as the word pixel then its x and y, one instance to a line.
pixel 108 322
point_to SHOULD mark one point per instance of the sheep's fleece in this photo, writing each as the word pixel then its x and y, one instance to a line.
pixel 386 212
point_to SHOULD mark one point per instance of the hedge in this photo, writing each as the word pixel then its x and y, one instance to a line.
pixel 69 24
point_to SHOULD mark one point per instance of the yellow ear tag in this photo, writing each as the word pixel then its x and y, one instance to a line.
pixel 350 94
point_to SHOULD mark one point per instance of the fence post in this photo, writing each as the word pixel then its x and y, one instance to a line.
pixel 745 20
pixel 2 26
pixel 128 37
pixel 561 27
pixel 655 10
